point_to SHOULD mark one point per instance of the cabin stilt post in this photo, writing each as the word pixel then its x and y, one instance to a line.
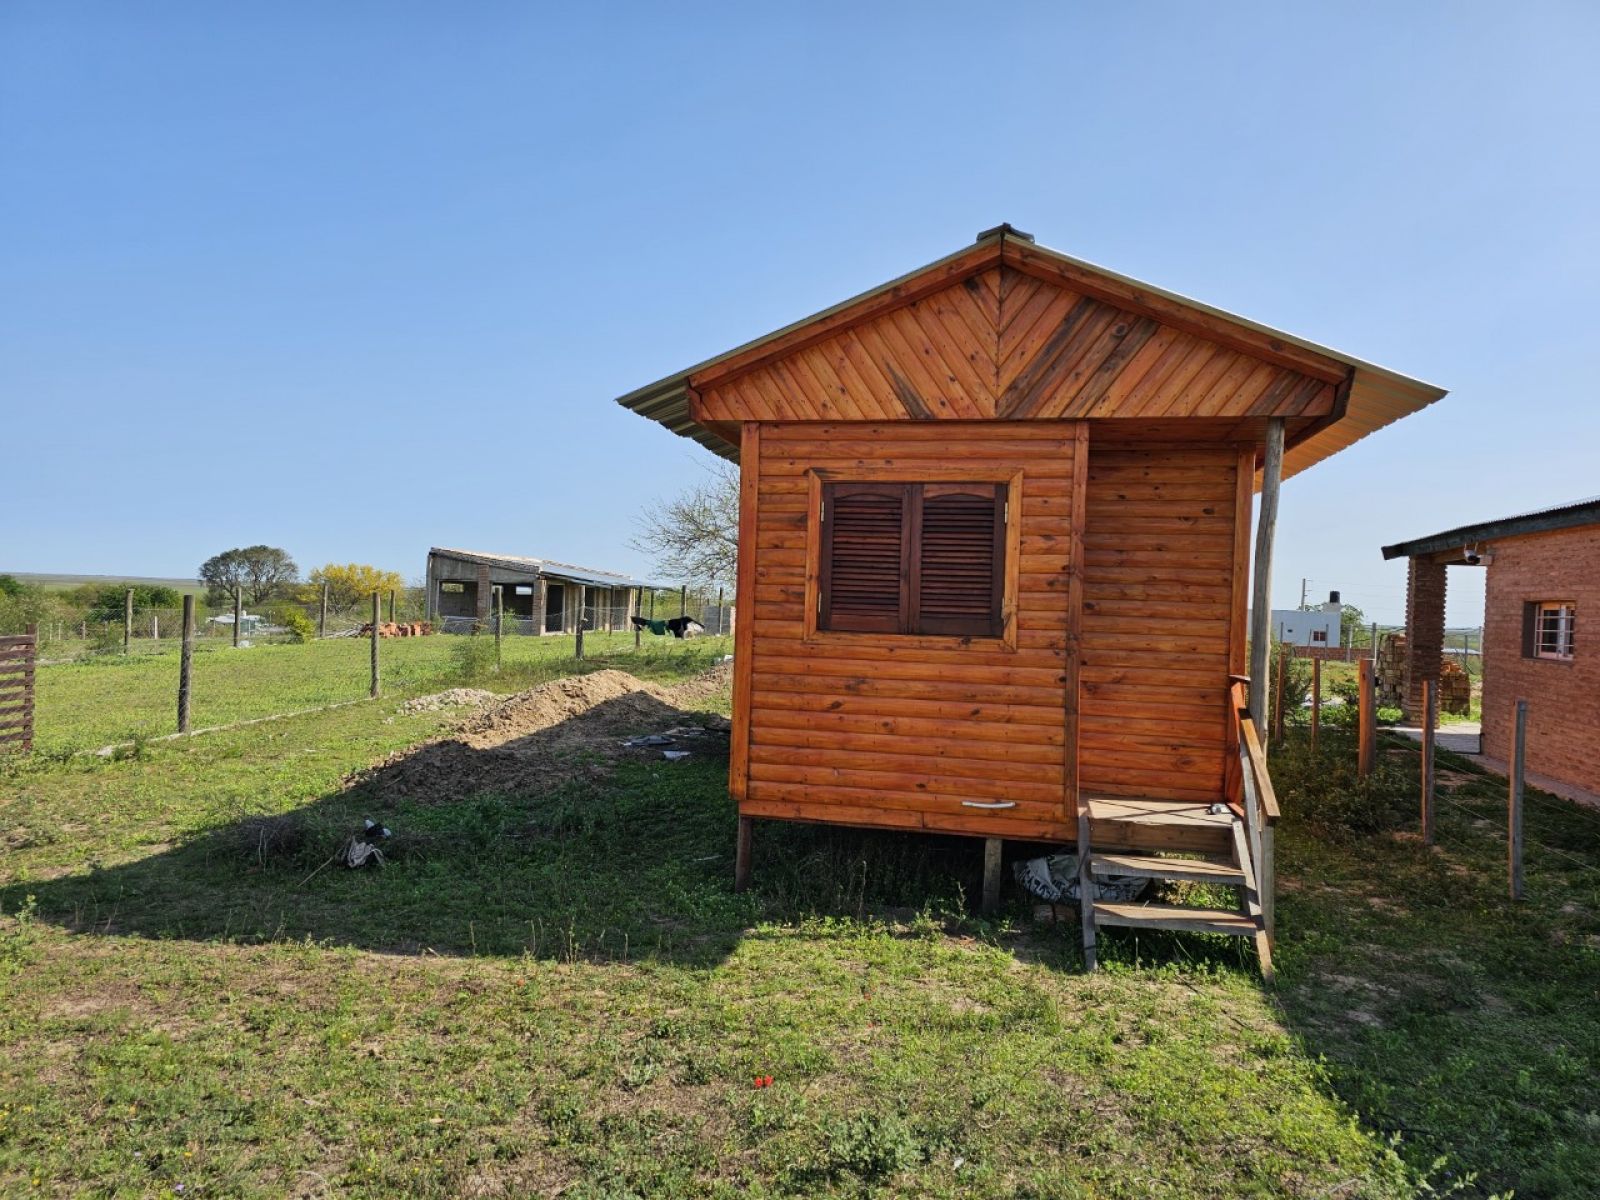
pixel 1261 598
pixel 991 874
pixel 741 856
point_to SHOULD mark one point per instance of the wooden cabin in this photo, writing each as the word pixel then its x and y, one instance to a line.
pixel 995 542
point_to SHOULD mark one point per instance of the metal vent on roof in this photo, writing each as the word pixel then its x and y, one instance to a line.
pixel 1004 230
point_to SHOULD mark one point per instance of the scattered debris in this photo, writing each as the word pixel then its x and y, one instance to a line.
pixel 1054 878
pixel 454 698
pixel 389 629
pixel 674 755
pixel 363 847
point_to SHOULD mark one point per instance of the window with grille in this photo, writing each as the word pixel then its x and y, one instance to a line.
pixel 1549 629
pixel 913 558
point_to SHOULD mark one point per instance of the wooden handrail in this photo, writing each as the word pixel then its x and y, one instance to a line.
pixel 1258 768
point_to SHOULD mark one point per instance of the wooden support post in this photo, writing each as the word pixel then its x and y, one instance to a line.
pixel 1261 602
pixel 1514 811
pixel 577 648
pixel 238 614
pixel 127 621
pixel 322 614
pixel 1267 881
pixel 1427 762
pixel 720 593
pixel 741 856
pixel 637 610
pixel 991 875
pixel 1366 718
pixel 186 664
pixel 499 621
pixel 1316 701
pixel 377 613
pixel 1086 892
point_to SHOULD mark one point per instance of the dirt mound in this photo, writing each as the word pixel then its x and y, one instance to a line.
pixel 566 730
pixel 624 699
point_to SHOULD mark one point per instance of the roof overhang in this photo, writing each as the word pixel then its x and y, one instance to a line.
pixel 1546 520
pixel 1372 397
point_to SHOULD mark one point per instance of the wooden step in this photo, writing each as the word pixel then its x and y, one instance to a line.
pixel 1151 823
pixel 1177 917
pixel 1148 867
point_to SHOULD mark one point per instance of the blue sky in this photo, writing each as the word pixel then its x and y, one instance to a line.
pixel 353 279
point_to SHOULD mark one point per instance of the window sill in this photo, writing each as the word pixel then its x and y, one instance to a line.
pixel 1004 644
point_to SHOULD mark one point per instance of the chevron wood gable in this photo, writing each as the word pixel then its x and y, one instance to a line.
pixel 1004 343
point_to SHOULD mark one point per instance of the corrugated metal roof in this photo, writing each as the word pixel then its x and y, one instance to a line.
pixel 1378 396
pixel 1544 520
pixel 545 566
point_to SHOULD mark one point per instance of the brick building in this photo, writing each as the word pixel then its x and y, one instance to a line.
pixel 1543 570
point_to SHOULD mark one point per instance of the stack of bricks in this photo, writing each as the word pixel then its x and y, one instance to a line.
pixel 1391 671
pixel 1455 688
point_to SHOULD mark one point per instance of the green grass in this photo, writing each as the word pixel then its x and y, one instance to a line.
pixel 111 698
pixel 558 992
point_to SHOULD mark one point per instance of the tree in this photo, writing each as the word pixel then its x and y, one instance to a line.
pixel 261 571
pixel 10 585
pixel 111 599
pixel 350 583
pixel 694 538
pixel 1352 621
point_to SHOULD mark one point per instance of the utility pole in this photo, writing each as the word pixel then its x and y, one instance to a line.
pixel 1303 582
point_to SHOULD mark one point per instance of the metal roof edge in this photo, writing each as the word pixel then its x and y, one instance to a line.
pixel 1545 520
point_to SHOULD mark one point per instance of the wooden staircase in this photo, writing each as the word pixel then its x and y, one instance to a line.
pixel 1135 835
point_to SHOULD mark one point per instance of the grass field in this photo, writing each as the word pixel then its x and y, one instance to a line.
pixel 111 698
pixel 557 993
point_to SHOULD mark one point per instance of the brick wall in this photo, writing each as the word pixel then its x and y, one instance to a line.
pixel 1563 697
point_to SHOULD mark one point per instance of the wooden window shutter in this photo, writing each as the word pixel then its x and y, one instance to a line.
pixel 959 548
pixel 865 540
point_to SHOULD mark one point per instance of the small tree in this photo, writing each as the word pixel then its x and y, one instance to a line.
pixel 350 583
pixel 109 601
pixel 696 535
pixel 261 571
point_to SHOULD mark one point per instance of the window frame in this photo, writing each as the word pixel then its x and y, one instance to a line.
pixel 1534 626
pixel 1008 484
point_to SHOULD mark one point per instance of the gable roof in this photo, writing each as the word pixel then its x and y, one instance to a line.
pixel 1375 396
pixel 1544 520
pixel 543 566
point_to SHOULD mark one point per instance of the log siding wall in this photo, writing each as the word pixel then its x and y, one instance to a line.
pixel 887 729
pixel 1162 617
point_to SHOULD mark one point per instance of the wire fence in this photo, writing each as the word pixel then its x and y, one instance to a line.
pixel 118 682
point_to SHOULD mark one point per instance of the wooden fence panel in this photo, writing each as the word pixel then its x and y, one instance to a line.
pixel 18 655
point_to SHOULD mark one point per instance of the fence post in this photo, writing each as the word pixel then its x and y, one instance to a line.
pixel 577 648
pixel 499 620
pixel 238 614
pixel 1374 654
pixel 683 600
pixel 322 613
pixel 186 663
pixel 1277 693
pixel 1316 701
pixel 720 592
pixel 1427 762
pixel 1366 718
pixel 377 612
pixel 155 627
pixel 1514 816
pixel 127 620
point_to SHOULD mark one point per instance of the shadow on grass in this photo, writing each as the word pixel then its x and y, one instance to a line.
pixel 559 844
pixel 1444 1013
